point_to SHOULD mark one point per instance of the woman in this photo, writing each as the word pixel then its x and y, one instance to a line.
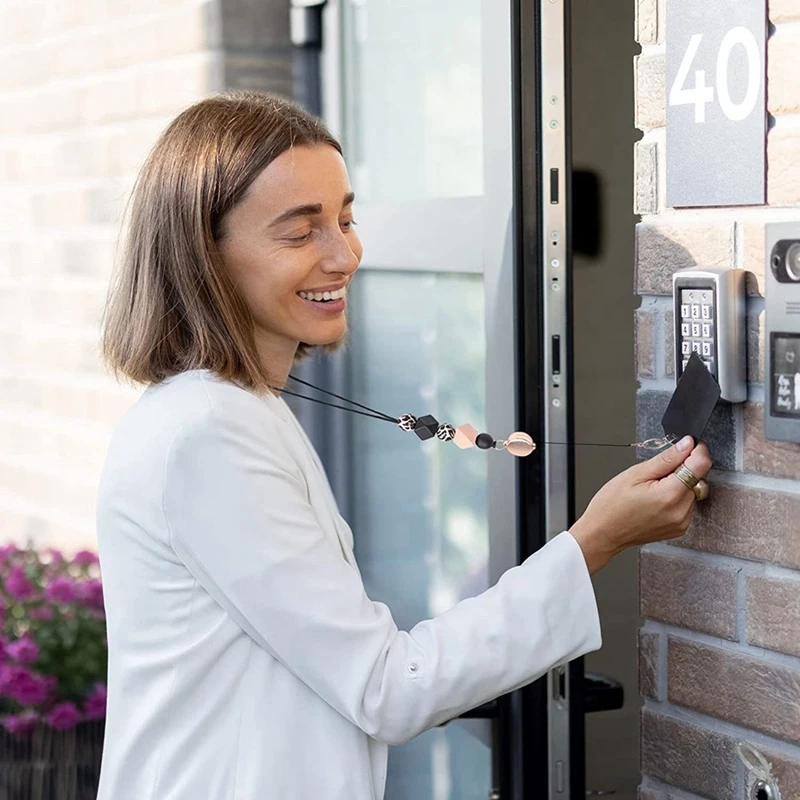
pixel 245 660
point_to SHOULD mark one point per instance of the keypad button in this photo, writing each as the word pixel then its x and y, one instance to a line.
pixel 685 363
pixel 709 362
pixel 707 351
pixel 696 330
pixel 706 313
pixel 707 327
pixel 686 348
pixel 686 329
pixel 696 311
pixel 696 347
pixel 685 311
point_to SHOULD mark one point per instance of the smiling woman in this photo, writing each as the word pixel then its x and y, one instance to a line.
pixel 245 658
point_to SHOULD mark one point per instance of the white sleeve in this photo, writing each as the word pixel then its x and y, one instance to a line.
pixel 238 516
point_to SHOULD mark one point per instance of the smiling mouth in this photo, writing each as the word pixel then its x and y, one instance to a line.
pixel 324 297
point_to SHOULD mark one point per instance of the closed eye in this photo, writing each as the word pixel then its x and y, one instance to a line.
pixel 300 239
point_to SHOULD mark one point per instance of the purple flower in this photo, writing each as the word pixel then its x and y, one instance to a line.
pixel 63 716
pixel 90 593
pixel 56 556
pixel 61 590
pixel 21 723
pixel 17 585
pixel 95 705
pixel 20 684
pixel 6 551
pixel 42 613
pixel 24 650
pixel 85 558
pixel 3 650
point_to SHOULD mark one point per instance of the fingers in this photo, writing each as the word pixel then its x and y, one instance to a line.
pixel 666 462
pixel 699 462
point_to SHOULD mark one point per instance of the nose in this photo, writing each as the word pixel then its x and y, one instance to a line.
pixel 340 255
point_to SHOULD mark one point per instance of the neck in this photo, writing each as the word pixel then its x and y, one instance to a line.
pixel 277 356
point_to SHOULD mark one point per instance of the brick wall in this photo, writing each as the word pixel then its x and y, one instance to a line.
pixel 85 87
pixel 720 646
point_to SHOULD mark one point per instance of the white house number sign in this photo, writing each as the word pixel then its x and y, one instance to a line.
pixel 716 112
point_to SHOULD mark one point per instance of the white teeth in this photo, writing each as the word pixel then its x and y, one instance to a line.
pixel 319 296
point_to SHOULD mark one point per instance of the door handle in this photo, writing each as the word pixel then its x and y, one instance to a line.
pixel 601 693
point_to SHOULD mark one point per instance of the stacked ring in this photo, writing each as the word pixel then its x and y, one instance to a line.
pixel 700 487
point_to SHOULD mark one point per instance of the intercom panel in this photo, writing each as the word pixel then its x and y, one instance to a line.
pixel 782 329
pixel 710 321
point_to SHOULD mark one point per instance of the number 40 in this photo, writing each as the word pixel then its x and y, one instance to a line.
pixel 702 94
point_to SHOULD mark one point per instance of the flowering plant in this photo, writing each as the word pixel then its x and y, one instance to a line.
pixel 53 649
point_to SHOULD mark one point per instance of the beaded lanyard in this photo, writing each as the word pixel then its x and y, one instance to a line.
pixel 518 444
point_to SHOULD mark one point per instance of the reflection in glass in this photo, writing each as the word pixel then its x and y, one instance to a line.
pixel 419 508
pixel 414 100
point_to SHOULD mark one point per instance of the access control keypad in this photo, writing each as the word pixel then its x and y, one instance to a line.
pixel 697 321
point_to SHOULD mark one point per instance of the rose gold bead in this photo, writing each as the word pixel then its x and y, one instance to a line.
pixel 465 436
pixel 519 444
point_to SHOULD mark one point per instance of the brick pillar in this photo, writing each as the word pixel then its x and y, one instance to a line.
pixel 85 87
pixel 719 651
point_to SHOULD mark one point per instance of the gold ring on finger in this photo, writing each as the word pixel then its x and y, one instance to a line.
pixel 687 477
pixel 702 490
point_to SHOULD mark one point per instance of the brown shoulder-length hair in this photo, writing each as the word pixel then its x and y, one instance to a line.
pixel 171 306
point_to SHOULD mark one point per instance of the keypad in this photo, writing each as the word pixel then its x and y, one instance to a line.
pixel 697 326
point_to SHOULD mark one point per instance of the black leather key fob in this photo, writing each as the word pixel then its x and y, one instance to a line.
pixel 693 402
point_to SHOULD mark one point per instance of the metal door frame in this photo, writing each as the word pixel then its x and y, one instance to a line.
pixel 547 719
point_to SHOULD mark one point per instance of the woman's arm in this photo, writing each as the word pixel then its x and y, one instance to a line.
pixel 238 516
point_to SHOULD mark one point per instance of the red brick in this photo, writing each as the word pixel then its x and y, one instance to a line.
pixel 688 593
pixel 779 459
pixel 669 344
pixel 683 755
pixel 756 693
pixel 664 249
pixel 781 10
pixel 649 664
pixel 650 794
pixel 645 343
pixel 773 613
pixel 783 77
pixel 646 178
pixel 650 77
pixel 783 170
pixel 746 522
pixel 753 256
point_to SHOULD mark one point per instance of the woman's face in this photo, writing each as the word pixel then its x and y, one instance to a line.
pixel 289 244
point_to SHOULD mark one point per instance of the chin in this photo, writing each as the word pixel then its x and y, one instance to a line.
pixel 331 339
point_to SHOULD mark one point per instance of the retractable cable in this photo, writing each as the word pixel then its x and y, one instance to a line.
pixel 518 444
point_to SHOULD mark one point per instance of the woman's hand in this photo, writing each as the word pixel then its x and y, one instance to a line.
pixel 646 503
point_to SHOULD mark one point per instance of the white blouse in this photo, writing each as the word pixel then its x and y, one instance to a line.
pixel 245 660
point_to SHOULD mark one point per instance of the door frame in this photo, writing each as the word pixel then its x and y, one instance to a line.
pixel 549 729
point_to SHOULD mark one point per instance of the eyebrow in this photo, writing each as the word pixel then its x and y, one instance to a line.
pixel 308 210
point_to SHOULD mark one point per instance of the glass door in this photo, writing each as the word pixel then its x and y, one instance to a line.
pixel 420 93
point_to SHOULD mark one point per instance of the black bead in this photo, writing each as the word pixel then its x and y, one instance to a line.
pixel 484 441
pixel 426 427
